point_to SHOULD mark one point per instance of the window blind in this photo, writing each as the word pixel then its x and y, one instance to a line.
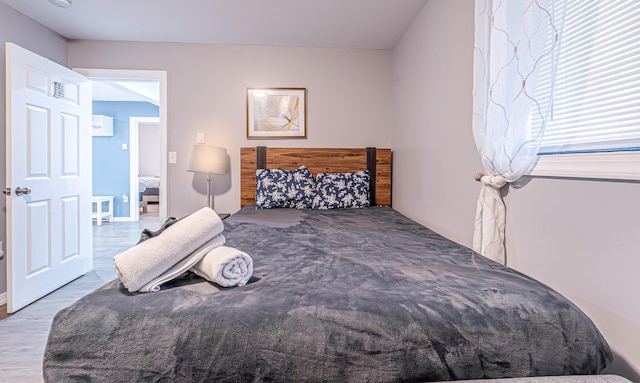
pixel 596 101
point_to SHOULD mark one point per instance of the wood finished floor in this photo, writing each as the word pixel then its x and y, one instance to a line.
pixel 23 335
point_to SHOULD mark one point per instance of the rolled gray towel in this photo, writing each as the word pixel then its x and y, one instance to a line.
pixel 151 258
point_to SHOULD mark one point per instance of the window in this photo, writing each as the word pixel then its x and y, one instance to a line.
pixel 594 126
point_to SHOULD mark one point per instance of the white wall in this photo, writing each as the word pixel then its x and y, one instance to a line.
pixel 349 101
pixel 580 237
pixel 17 29
pixel 149 145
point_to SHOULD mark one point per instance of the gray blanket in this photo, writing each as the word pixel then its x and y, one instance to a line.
pixel 359 295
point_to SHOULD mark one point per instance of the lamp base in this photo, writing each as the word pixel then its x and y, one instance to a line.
pixel 209 202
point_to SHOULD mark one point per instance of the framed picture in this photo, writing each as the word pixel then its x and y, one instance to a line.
pixel 276 113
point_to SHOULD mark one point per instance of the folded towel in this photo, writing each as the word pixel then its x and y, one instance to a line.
pixel 225 266
pixel 184 265
pixel 151 258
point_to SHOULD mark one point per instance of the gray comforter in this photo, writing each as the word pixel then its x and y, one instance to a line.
pixel 360 295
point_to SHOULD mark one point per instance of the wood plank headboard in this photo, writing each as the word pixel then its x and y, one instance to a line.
pixel 378 161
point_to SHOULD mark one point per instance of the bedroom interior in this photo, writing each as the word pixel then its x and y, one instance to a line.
pixel 413 95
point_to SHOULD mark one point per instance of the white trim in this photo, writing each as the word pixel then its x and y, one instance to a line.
pixel 123 219
pixel 3 299
pixel 161 76
pixel 134 168
pixel 610 165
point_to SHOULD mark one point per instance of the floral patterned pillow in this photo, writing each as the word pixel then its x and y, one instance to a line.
pixel 342 190
pixel 284 188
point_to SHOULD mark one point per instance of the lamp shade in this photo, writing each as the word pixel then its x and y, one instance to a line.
pixel 207 159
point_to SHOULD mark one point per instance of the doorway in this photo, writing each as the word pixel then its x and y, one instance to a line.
pixel 160 77
pixel 144 137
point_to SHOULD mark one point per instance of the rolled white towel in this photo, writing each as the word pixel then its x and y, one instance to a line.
pixel 226 266
pixel 149 259
pixel 184 265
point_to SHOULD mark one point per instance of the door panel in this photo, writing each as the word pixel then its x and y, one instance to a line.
pixel 70 145
pixel 38 134
pixel 71 224
pixel 38 237
pixel 49 229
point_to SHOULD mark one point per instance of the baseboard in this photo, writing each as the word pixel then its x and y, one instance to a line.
pixel 3 299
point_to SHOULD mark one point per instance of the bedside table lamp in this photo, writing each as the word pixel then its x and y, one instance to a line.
pixel 207 159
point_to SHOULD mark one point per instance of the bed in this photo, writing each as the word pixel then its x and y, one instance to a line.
pixel 149 187
pixel 151 190
pixel 337 295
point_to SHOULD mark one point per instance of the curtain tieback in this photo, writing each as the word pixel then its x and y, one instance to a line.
pixel 495 181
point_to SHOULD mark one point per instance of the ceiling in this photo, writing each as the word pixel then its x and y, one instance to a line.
pixel 368 24
pixel 351 24
pixel 127 90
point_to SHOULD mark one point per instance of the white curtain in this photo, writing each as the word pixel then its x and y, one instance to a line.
pixel 515 45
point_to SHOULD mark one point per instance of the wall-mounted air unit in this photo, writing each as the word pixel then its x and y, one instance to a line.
pixel 102 126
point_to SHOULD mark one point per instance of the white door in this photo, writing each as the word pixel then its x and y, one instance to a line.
pixel 49 226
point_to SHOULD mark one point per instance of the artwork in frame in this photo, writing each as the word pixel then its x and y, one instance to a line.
pixel 276 113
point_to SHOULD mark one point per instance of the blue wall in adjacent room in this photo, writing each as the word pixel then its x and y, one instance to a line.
pixel 110 162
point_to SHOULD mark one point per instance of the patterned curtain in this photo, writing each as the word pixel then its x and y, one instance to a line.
pixel 514 64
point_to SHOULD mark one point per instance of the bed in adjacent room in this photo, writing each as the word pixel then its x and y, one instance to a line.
pixel 149 187
pixel 358 294
pixel 151 190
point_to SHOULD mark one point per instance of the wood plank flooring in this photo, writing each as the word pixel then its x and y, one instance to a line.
pixel 23 335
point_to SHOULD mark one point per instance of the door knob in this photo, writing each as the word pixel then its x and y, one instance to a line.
pixel 22 191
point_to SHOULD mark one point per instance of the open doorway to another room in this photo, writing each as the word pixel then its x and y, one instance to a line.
pixel 116 153
pixel 145 166
pixel 136 101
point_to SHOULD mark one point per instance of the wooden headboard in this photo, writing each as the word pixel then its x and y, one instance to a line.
pixel 377 161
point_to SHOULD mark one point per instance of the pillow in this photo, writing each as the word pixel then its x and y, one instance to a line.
pixel 342 190
pixel 284 188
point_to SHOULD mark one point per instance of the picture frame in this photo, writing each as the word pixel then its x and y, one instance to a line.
pixel 276 113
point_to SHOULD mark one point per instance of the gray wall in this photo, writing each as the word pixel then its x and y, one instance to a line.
pixel 349 101
pixel 434 156
pixel 580 237
pixel 17 29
